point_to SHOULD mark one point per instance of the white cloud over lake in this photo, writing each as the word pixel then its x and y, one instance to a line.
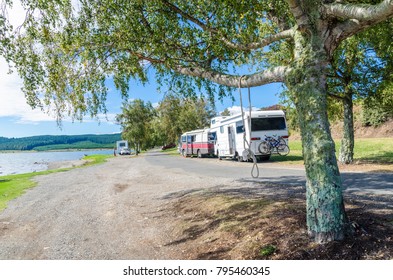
pixel 12 99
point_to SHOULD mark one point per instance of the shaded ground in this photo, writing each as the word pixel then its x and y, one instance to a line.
pixel 230 224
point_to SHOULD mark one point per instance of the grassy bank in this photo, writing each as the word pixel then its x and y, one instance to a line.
pixel 172 151
pixel 12 186
pixel 367 150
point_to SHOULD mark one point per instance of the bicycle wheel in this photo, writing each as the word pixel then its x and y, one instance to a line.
pixel 282 141
pixel 265 148
pixel 283 149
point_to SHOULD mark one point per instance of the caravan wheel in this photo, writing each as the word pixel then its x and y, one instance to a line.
pixel 183 152
pixel 199 154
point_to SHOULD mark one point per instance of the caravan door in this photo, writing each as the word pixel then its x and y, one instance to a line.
pixel 231 140
pixel 190 144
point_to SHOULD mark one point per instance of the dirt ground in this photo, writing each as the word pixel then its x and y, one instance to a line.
pixel 221 226
pixel 128 208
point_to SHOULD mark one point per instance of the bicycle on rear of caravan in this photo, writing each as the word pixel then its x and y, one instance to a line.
pixel 273 145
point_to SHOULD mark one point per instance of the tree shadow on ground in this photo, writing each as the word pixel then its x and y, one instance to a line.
pixel 278 158
pixel 237 223
pixel 383 158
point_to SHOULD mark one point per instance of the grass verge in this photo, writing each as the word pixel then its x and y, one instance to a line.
pixel 13 186
pixel 366 151
pixel 171 151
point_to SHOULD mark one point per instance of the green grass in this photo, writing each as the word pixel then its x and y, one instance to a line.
pixel 172 151
pixel 367 150
pixel 378 150
pixel 267 250
pixel 13 186
pixel 96 159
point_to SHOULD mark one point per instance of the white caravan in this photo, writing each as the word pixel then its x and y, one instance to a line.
pixel 230 132
pixel 121 145
pixel 198 142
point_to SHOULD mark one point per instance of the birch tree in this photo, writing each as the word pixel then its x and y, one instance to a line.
pixel 361 69
pixel 135 119
pixel 66 52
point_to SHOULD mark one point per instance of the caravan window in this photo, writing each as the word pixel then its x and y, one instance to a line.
pixel 239 127
pixel 183 139
pixel 190 138
pixel 275 123
pixel 221 129
pixel 212 136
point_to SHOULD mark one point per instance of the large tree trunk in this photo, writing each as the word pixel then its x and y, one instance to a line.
pixel 326 218
pixel 348 139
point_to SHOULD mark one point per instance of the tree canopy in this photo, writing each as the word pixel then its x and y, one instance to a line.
pixel 135 120
pixel 146 127
pixel 66 51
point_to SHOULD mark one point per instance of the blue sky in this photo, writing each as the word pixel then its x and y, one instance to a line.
pixel 17 119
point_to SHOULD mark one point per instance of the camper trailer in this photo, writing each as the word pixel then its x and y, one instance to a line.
pixel 230 133
pixel 197 142
pixel 122 147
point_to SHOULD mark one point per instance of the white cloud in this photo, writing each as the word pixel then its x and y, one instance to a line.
pixel 12 100
pixel 155 105
pixel 234 110
pixel 13 103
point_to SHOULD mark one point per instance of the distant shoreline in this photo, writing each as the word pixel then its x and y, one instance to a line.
pixel 56 150
pixel 60 142
pixel 21 162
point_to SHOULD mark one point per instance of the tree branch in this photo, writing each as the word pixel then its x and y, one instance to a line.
pixel 361 13
pixel 286 34
pixel 272 75
pixel 300 15
pixel 354 18
pixel 336 96
pixel 185 15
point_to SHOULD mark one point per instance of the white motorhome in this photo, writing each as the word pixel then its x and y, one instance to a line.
pixel 121 145
pixel 198 142
pixel 230 133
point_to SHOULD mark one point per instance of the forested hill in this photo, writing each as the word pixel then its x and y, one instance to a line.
pixel 58 142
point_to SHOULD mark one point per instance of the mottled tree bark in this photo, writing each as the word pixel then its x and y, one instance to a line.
pixel 326 218
pixel 348 138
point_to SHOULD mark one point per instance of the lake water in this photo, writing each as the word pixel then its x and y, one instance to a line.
pixel 24 162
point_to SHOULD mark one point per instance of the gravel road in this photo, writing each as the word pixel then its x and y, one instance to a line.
pixel 117 210
pixel 109 211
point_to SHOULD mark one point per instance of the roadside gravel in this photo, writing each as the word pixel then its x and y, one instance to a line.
pixel 120 209
pixel 109 211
